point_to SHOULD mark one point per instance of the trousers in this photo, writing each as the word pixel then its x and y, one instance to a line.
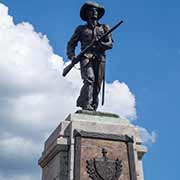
pixel 92 73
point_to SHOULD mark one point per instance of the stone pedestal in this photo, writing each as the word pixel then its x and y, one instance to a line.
pixel 93 146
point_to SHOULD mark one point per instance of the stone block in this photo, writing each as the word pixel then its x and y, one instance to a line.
pixel 60 159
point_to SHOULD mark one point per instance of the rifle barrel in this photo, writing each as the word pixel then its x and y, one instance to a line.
pixel 70 66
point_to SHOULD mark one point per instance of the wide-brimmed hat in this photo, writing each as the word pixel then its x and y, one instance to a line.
pixel 87 5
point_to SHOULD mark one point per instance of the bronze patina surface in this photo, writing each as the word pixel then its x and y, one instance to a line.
pixel 96 154
pixel 92 63
pixel 97 113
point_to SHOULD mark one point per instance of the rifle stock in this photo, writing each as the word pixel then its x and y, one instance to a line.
pixel 67 69
pixel 70 66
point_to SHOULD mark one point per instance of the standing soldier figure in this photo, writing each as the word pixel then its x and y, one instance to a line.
pixel 92 63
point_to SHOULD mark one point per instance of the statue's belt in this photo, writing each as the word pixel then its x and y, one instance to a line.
pixel 92 56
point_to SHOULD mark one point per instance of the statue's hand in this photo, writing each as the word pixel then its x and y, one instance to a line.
pixel 105 45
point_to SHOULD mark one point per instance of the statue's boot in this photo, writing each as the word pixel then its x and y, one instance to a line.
pixel 88 107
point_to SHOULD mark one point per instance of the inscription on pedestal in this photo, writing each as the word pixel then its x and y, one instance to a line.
pixel 103 157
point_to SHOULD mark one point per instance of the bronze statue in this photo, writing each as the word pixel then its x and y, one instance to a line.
pixel 95 39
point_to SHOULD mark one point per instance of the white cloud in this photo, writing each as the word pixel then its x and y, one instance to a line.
pixel 146 136
pixel 19 177
pixel 17 147
pixel 120 100
pixel 34 96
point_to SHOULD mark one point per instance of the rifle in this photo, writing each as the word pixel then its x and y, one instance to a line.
pixel 77 59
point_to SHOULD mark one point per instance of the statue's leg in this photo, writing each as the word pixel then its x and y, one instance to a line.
pixel 86 94
pixel 98 67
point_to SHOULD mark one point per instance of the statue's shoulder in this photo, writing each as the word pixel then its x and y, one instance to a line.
pixel 81 27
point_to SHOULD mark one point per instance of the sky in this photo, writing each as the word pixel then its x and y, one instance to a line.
pixel 142 74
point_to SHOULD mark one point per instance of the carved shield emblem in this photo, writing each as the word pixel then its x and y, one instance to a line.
pixel 104 168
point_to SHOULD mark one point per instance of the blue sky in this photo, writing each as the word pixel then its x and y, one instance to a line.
pixel 146 56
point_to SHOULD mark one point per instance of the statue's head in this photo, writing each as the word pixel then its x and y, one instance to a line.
pixel 91 10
